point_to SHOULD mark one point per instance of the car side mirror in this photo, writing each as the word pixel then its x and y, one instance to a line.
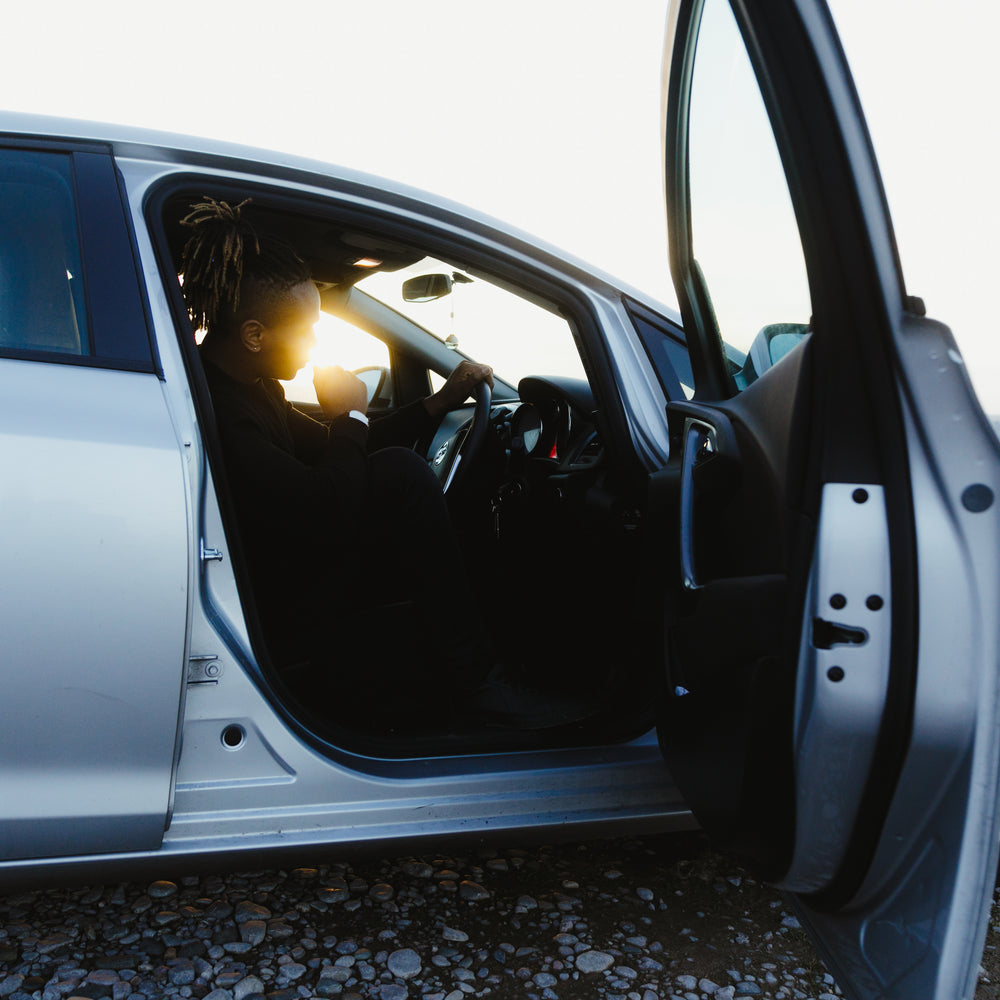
pixel 770 345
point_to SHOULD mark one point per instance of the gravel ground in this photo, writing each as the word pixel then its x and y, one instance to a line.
pixel 653 919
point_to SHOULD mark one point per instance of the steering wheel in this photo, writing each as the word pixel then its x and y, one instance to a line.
pixel 454 457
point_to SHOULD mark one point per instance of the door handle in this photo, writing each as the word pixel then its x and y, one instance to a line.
pixel 697 442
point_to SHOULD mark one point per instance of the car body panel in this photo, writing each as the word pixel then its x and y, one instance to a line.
pixel 275 790
pixel 917 924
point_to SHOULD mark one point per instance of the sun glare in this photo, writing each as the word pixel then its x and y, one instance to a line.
pixel 337 343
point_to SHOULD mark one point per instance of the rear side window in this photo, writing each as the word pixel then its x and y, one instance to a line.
pixel 69 285
pixel 42 304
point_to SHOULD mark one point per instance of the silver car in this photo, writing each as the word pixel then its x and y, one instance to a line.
pixel 764 530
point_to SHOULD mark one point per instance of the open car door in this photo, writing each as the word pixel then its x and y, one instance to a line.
pixel 832 634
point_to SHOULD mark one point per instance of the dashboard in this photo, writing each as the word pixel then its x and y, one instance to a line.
pixel 549 428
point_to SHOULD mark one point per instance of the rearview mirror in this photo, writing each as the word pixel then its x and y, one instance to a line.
pixel 426 287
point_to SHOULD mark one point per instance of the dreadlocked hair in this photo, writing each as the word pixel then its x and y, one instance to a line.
pixel 225 260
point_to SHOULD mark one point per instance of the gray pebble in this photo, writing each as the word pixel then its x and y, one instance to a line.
pixel 393 991
pixel 643 893
pixel 161 890
pixel 594 961
pixel 335 892
pixel 472 891
pixel 451 934
pixel 405 963
pixel 253 932
pixel 103 977
pixel 246 987
pixel 245 910
pixel 181 974
pixel 218 910
pixel 544 979
pixel 52 943
pixel 10 984
pixel 417 869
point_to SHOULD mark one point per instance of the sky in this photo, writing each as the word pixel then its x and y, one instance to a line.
pixel 544 113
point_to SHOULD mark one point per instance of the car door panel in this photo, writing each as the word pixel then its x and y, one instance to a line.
pixel 726 723
pixel 95 529
pixel 863 729
pixel 94 563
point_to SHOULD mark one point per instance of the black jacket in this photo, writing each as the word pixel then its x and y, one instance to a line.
pixel 299 490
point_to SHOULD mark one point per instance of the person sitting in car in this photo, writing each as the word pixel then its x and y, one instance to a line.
pixel 313 501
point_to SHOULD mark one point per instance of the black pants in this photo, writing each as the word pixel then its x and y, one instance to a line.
pixel 403 618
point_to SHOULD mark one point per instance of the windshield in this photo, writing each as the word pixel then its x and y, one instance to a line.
pixel 485 322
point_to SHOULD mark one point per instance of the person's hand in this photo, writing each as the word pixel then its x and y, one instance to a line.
pixel 339 391
pixel 459 387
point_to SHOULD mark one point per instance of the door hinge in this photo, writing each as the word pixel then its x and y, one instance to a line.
pixel 207 554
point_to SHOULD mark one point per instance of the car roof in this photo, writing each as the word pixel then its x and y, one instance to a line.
pixel 169 147
pixel 153 144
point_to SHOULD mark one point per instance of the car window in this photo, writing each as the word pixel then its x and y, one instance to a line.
pixel 42 304
pixel 487 322
pixel 744 234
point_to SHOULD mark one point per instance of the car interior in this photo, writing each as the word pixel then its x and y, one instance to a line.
pixel 546 494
